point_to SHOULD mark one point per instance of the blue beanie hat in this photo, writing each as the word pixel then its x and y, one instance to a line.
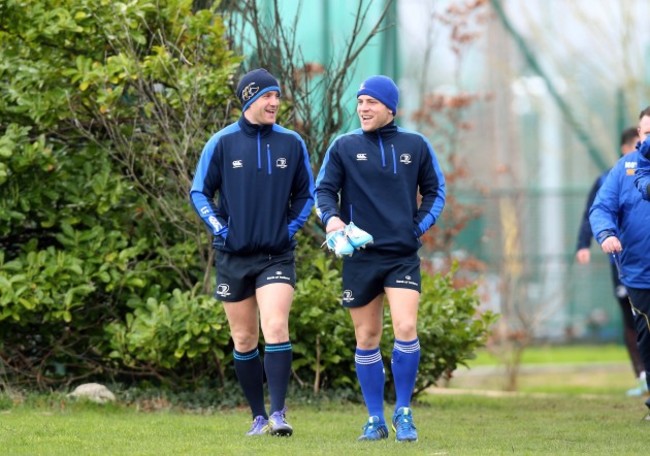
pixel 253 84
pixel 381 88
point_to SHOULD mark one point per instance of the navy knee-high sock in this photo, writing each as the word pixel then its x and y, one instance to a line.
pixel 404 365
pixel 250 374
pixel 277 365
pixel 371 375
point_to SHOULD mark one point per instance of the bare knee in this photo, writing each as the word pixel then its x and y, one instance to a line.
pixel 367 338
pixel 405 330
pixel 244 340
pixel 275 330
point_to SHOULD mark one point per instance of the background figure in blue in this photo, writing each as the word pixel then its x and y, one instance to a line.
pixel 265 184
pixel 629 140
pixel 619 220
pixel 379 170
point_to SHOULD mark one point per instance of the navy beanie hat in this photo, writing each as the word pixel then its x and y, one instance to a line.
pixel 381 88
pixel 253 84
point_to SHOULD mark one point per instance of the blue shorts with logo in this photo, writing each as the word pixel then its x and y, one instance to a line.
pixel 366 273
pixel 238 276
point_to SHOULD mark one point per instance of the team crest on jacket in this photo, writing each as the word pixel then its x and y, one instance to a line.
pixel 249 91
pixel 281 162
pixel 405 158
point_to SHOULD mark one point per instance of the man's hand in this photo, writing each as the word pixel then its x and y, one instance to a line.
pixel 611 245
pixel 583 256
pixel 334 224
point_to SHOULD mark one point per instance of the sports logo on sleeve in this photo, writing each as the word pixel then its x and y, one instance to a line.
pixel 215 223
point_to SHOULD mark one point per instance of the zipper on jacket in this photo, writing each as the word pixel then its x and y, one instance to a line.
pixel 394 161
pixel 381 147
pixel 259 152
pixel 268 158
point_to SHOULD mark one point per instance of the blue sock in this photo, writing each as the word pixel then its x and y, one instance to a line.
pixel 370 372
pixel 404 364
pixel 277 364
pixel 248 368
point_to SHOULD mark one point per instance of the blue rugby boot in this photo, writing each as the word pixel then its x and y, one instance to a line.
pixel 278 425
pixel 403 426
pixel 374 430
pixel 338 243
pixel 358 237
pixel 259 426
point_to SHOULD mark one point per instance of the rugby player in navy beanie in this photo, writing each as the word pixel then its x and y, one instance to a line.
pixel 380 188
pixel 262 176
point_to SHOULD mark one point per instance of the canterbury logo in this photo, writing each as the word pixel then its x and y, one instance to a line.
pixel 249 91
pixel 362 157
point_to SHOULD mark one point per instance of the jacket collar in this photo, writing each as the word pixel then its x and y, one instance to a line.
pixel 253 129
pixel 387 131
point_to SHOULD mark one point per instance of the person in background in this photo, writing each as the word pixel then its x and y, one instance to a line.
pixel 379 170
pixel 619 219
pixel 629 140
pixel 262 174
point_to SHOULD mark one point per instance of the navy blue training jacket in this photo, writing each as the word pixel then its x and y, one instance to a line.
pixel 265 184
pixel 378 175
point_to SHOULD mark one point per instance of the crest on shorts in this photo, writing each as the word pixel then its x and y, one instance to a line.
pixel 223 289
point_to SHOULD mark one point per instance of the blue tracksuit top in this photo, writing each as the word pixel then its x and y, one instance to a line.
pixel 265 184
pixel 619 210
pixel 378 175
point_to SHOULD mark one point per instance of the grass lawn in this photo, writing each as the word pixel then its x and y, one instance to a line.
pixel 565 354
pixel 594 420
pixel 598 369
pixel 448 425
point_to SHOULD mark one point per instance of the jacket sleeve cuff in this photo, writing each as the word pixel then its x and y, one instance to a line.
pixel 604 235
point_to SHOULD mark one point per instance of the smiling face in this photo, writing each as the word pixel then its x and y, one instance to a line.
pixel 264 110
pixel 373 114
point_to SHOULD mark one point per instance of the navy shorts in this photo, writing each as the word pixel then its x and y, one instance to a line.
pixel 367 273
pixel 238 276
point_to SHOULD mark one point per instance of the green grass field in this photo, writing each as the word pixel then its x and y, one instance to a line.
pixel 558 419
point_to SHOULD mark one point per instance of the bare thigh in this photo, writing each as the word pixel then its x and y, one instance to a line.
pixel 244 323
pixel 274 301
pixel 368 322
pixel 404 304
